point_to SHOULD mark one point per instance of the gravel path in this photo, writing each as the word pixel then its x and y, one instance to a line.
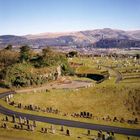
pixel 75 84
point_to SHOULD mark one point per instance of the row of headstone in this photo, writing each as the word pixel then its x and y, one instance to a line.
pixel 135 121
pixel 4 125
pixel 44 130
pixel 53 130
pixel 27 122
pixel 37 108
pixel 12 103
pixel 82 114
pixel 107 136
pixel 86 114
pixel 108 118
pixel 121 120
pixel 19 105
pixel 21 120
pixel 31 107
pixel 51 110
pixel 8 98
pixel 101 136
pixel 30 127
pixel 18 126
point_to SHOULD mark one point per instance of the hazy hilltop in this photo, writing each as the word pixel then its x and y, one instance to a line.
pixel 104 38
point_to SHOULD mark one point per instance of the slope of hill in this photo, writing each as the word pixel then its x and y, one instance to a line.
pixel 96 38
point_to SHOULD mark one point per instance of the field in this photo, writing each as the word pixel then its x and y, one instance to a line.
pixel 109 98
pixel 100 103
pixel 106 98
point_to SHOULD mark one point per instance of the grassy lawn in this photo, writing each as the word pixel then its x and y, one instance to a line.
pixel 15 134
pixel 3 90
pixel 106 98
pixel 100 100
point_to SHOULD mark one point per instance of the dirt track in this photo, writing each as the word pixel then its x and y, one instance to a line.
pixel 75 84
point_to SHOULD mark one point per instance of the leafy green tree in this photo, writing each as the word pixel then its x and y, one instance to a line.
pixel 47 58
pixel 18 75
pixel 25 53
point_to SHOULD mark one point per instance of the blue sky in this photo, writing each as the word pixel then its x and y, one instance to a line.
pixel 22 17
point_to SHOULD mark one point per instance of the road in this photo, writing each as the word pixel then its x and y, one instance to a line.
pixel 69 123
pixel 118 74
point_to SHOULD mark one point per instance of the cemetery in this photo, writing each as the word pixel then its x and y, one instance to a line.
pixel 109 101
pixel 70 70
pixel 23 128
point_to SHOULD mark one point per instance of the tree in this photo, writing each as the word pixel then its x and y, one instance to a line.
pixel 18 75
pixel 49 58
pixel 8 57
pixel 46 51
pixel 72 54
pixel 9 47
pixel 25 54
pixel 138 56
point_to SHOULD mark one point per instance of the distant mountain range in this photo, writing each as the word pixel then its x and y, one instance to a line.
pixel 100 38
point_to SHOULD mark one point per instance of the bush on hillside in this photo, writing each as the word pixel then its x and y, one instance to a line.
pixel 8 57
pixel 17 75
pixel 19 70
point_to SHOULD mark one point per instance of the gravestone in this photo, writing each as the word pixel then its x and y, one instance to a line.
pixel 28 122
pixel 15 126
pixel 6 118
pixel 13 118
pixel 52 127
pixel 103 137
pixel 45 130
pixel 6 99
pixel 25 120
pixel 28 127
pixel 67 132
pixel 62 128
pixel 99 135
pixel 4 125
pixel 88 132
pixel 20 120
pixel 42 130
pixel 34 123
pixel 32 128
pixel 53 131
pixel 19 105
pixel 21 126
